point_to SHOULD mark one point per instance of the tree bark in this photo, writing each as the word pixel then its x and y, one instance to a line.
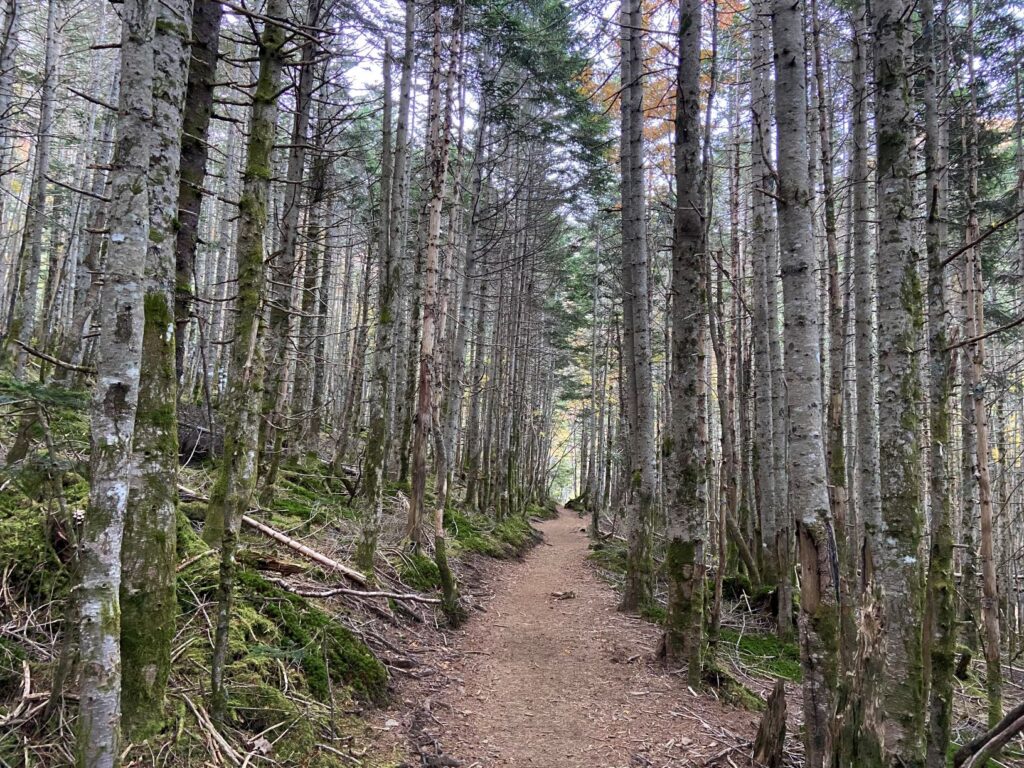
pixel 940 629
pixel 233 489
pixel 202 72
pixel 897 567
pixel 384 358
pixel 640 509
pixel 148 555
pixel 685 455
pixel 808 484
pixel 115 397
pixel 439 127
pixel 25 307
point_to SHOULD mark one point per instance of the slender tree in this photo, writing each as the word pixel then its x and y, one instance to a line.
pixel 686 452
pixel 115 397
pixel 236 479
pixel 808 484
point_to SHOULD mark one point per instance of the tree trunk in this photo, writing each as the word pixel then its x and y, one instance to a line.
pixel 115 398
pixel 283 269
pixel 384 358
pixel 233 489
pixel 202 72
pixel 763 242
pixel 808 485
pixel 974 379
pixel 685 454
pixel 439 126
pixel 148 555
pixel 940 628
pixel 640 509
pixel 25 307
pixel 897 566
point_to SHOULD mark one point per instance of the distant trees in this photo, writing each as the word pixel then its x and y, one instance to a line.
pixel 800 439
pixel 427 276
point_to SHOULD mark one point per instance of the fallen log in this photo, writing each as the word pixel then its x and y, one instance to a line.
pixel 302 549
pixel 980 749
pixel 288 541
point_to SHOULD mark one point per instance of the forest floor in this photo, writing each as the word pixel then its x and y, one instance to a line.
pixel 550 674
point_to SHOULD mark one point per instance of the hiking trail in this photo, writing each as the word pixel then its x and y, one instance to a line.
pixel 551 675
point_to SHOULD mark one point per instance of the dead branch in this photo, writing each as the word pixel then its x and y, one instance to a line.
pixel 332 591
pixel 980 749
pixel 288 541
pixel 53 360
pixel 302 549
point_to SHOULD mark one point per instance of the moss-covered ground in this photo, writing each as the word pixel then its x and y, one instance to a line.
pixel 300 676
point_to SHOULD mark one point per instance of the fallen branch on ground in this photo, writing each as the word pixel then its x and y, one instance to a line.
pixel 977 751
pixel 288 541
pixel 332 591
pixel 302 549
pixel 210 730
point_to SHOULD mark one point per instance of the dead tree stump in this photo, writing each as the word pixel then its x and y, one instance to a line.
pixel 771 733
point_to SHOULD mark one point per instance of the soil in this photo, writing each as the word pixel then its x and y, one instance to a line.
pixel 549 674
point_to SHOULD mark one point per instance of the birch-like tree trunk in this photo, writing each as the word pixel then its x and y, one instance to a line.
pixel 808 484
pixel 25 307
pixel 148 555
pixel 115 397
pixel 897 568
pixel 9 34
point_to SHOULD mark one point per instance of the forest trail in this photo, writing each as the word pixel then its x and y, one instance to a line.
pixel 552 683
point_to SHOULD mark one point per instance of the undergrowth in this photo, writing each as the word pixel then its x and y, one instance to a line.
pixel 470 532
pixel 764 653
pixel 298 677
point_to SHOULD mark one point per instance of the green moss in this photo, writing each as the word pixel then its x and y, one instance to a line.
pixel 477 533
pixel 27 552
pixel 259 706
pixel 764 653
pixel 419 572
pixel 609 556
pixel 654 613
pixel 329 653
pixel 546 511
pixel 732 690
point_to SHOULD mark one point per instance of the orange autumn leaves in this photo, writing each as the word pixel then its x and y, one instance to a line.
pixel 600 81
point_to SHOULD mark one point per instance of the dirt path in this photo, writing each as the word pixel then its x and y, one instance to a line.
pixel 552 683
